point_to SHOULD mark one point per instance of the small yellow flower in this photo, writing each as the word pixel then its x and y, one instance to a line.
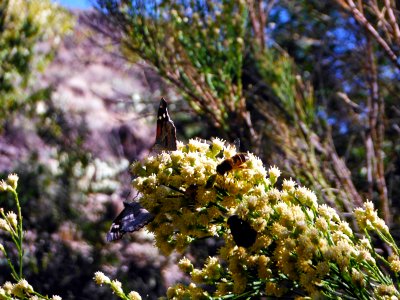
pixel 321 224
pixel 116 287
pixel 8 287
pixel 274 174
pixel 322 268
pixel 274 195
pixel 176 291
pixel 3 186
pixel 197 275
pixel 25 286
pixel 171 292
pixel 12 180
pixel 345 228
pixel 263 270
pixel 365 243
pixel 182 241
pixel 368 218
pixel 185 265
pixel 259 224
pixel 381 226
pixel 365 255
pixel 4 225
pixel 239 282
pixel 134 296
pixel 229 150
pixel 359 215
pixel 217 145
pixel 100 278
pixel 288 185
pixel 394 262
pixel 22 288
pixel 12 219
pixel 328 213
pixel 306 197
pixel 272 289
pixel 357 277
pixel 383 290
pixel 213 230
pixel 212 268
pixel 198 145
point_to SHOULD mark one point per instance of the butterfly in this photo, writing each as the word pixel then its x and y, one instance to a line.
pixel 166 131
pixel 134 216
pixel 242 232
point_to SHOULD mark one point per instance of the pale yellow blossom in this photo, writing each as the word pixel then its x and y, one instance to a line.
pixel 100 278
pixel 12 180
pixel 134 296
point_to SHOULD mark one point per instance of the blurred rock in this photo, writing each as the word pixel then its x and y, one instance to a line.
pixel 114 103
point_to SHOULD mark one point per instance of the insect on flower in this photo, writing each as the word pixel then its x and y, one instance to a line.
pixel 229 164
pixel 242 232
pixel 134 216
pixel 166 131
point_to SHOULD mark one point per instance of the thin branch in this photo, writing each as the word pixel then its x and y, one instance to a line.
pixel 359 16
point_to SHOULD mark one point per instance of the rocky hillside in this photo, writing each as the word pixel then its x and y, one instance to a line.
pixel 90 79
pixel 114 103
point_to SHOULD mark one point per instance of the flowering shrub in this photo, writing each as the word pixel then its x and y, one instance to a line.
pixel 11 223
pixel 302 248
pixel 25 26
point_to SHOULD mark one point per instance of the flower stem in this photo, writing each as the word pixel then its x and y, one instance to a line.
pixel 20 233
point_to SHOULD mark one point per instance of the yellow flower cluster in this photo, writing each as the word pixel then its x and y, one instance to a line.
pixel 100 278
pixel 10 184
pixel 183 191
pixel 299 245
pixel 21 290
pixel 9 221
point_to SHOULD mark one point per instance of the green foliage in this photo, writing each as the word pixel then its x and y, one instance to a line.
pixel 29 33
pixel 63 216
pixel 197 45
pixel 11 223
pixel 287 80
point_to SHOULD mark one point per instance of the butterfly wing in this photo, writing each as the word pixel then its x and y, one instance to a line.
pixel 166 131
pixel 132 218
pixel 242 232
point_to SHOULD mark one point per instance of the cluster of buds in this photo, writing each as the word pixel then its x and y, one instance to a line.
pixel 116 286
pixel 295 244
pixel 10 184
pixel 21 290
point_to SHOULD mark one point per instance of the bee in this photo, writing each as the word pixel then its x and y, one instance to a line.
pixel 229 164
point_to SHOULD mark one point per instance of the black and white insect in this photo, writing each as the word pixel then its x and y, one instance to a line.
pixel 132 218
